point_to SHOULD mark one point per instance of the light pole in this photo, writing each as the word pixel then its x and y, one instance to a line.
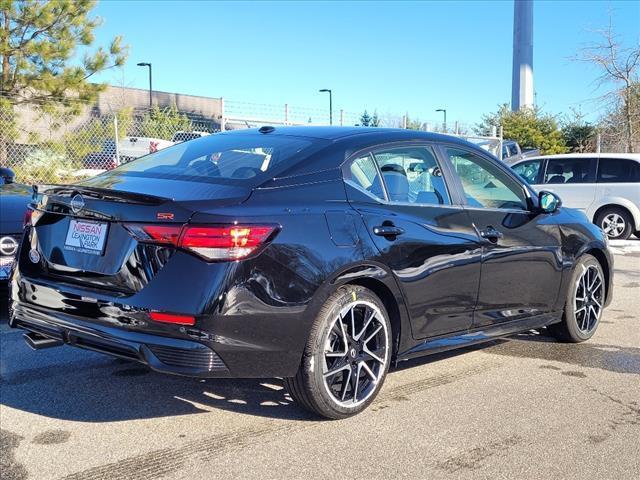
pixel 444 110
pixel 146 64
pixel 325 90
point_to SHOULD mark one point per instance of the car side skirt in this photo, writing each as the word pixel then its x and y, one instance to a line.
pixel 478 335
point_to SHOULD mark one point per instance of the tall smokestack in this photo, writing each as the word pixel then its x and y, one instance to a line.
pixel 522 79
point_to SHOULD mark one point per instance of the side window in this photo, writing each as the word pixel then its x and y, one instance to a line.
pixel 412 175
pixel 363 174
pixel 569 170
pixel 528 170
pixel 485 184
pixel 618 170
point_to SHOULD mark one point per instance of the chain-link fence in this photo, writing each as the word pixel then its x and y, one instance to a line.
pixel 53 142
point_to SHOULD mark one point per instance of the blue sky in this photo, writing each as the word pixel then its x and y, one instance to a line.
pixel 390 56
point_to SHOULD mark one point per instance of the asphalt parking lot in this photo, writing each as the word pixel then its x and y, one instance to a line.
pixel 525 407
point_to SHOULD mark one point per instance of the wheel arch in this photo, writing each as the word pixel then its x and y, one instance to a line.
pixel 384 293
pixel 621 203
pixel 381 282
pixel 602 259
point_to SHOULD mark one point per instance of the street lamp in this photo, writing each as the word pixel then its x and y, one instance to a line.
pixel 325 90
pixel 444 110
pixel 146 64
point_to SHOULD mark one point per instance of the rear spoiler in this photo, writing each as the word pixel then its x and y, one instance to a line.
pixel 97 192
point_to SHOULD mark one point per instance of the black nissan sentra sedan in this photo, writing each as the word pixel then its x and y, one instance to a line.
pixel 320 255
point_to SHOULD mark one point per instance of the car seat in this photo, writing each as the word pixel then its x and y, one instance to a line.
pixel 438 195
pixel 395 178
pixel 558 176
pixel 577 176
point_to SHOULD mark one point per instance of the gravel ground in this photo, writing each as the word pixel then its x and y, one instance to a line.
pixel 525 407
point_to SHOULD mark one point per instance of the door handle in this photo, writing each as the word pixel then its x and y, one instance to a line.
pixel 491 234
pixel 388 231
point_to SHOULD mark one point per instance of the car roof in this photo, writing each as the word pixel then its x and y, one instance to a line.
pixel 627 156
pixel 339 133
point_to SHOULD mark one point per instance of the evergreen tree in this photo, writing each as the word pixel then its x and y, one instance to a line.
pixel 365 119
pixel 529 127
pixel 38 42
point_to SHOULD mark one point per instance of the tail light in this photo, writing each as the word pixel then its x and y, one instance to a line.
pixel 172 318
pixel 212 242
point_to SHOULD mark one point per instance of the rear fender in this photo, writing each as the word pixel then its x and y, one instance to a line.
pixel 379 279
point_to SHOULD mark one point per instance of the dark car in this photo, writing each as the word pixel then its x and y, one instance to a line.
pixel 305 253
pixel 14 199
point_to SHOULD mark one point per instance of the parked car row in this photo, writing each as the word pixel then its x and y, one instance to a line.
pixel 512 152
pixel 322 255
pixel 606 187
pixel 14 198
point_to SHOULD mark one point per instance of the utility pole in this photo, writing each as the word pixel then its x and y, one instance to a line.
pixel 146 64
pixel 522 75
pixel 444 111
pixel 328 90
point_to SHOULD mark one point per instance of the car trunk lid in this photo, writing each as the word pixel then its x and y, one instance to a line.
pixel 80 232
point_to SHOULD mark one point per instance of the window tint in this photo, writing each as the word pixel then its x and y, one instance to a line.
pixel 528 170
pixel 364 175
pixel 569 170
pixel 618 170
pixel 412 175
pixel 485 184
pixel 229 159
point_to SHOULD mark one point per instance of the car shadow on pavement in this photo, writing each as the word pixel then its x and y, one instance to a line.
pixel 73 384
pixel 592 354
pixel 107 390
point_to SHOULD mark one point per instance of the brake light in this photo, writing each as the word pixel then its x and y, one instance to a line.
pixel 213 242
pixel 222 243
pixel 172 318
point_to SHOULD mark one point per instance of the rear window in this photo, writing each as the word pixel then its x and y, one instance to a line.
pixel 230 159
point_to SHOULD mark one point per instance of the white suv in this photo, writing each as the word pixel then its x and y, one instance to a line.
pixel 604 186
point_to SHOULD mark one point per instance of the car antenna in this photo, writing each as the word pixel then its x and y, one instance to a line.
pixel 266 129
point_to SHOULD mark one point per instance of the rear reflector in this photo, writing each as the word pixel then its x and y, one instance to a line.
pixel 26 221
pixel 172 318
pixel 213 242
pixel 167 234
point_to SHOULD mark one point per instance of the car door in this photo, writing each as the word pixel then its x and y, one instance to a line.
pixel 521 257
pixel 572 179
pixel 427 242
pixel 619 177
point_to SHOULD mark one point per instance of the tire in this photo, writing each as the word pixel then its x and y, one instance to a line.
pixel 333 347
pixel 576 327
pixel 616 223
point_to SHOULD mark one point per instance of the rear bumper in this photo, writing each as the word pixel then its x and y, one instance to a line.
pixel 163 354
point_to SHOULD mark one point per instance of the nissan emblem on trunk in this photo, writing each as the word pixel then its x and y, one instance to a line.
pixel 77 203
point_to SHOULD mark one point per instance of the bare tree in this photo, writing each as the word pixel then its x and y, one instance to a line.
pixel 618 67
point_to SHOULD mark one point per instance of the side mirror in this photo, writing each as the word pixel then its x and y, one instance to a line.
pixel 7 176
pixel 549 202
